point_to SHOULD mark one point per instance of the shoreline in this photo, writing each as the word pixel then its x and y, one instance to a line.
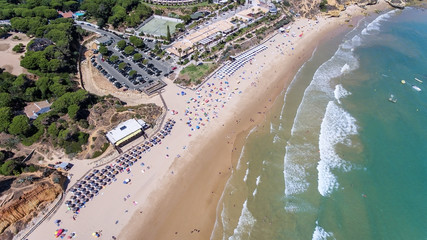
pixel 177 197
pixel 175 217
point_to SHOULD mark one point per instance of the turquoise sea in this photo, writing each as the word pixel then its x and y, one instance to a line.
pixel 335 159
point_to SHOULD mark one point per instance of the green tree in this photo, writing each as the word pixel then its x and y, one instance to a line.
pixel 32 94
pixel 194 9
pixel 103 50
pixel 168 34
pixel 53 130
pixel 129 50
pixel 5 100
pixel 54 65
pixel 323 5
pixel 43 85
pixel 18 48
pixel 64 134
pixel 121 44
pixel 5 118
pixel 73 111
pixel 58 89
pixel 100 23
pixel 136 41
pixel 185 18
pixel 132 72
pixel 113 58
pixel 20 125
pixel 137 56
pixel 7 167
pixel 122 65
pixel 180 27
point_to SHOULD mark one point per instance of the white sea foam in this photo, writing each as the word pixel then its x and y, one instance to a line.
pixel 246 175
pixel 336 126
pixel 345 68
pixel 300 153
pixel 224 218
pixel 375 25
pixel 271 128
pixel 295 204
pixel 320 233
pixel 254 193
pixel 276 138
pixel 340 92
pixel 251 131
pixel 245 224
pixel 294 171
pixel 239 164
pixel 258 180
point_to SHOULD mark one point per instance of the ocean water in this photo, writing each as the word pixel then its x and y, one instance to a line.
pixel 335 159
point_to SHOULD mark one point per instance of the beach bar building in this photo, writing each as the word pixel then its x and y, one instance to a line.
pixel 126 131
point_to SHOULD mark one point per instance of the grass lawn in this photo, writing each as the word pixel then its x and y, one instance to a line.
pixel 195 73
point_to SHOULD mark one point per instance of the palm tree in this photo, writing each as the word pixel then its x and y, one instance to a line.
pixel 179 51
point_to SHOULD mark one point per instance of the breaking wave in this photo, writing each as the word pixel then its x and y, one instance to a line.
pixel 320 233
pixel 245 224
pixel 336 126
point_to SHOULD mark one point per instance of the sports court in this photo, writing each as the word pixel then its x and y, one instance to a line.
pixel 157 26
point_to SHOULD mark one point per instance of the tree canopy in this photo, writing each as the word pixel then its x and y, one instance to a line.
pixel 103 50
pixel 129 50
pixel 136 41
pixel 137 56
pixel 117 12
pixel 5 118
pixel 121 44
pixel 20 125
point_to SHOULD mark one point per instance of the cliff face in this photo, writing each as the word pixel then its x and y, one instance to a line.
pixel 17 212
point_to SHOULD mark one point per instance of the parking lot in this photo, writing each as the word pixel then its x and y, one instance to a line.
pixel 134 75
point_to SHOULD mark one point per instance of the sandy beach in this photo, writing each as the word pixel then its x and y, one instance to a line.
pixel 175 193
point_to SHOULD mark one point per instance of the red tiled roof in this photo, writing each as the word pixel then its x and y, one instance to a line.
pixel 68 14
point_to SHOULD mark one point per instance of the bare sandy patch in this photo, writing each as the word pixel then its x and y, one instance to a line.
pixel 10 60
pixel 4 46
pixel 8 68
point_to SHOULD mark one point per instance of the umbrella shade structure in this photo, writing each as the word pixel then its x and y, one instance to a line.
pixel 58 232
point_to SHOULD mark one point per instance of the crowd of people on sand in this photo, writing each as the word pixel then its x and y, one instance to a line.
pixel 210 98
pixel 90 186
pixel 216 92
